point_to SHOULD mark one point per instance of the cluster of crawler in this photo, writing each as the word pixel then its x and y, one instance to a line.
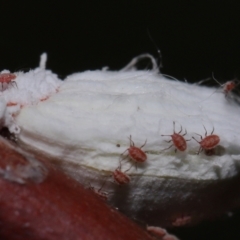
pixel 207 143
pixel 138 156
pixel 177 141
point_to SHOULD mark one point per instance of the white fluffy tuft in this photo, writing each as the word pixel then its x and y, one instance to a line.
pixel 26 89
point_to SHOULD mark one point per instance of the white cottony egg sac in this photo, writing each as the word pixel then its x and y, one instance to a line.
pixel 26 89
pixel 83 124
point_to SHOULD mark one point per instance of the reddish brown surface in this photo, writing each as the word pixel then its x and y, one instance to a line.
pixel 56 208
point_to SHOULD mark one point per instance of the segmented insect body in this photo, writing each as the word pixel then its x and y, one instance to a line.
pixel 209 142
pixel 135 153
pixel 121 177
pixel 229 86
pixel 7 78
pixel 178 140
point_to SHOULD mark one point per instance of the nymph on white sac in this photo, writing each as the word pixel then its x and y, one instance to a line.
pixel 79 122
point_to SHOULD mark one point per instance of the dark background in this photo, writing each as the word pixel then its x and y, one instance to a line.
pixel 196 39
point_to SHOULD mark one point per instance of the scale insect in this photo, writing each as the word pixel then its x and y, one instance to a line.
pixel 178 140
pixel 209 142
pixel 228 86
pixel 136 154
pixel 120 177
pixel 7 78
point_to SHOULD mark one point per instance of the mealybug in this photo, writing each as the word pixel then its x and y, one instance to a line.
pixel 209 142
pixel 178 140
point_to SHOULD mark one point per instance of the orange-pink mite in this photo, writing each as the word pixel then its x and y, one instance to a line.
pixel 178 140
pixel 228 87
pixel 209 142
pixel 7 78
pixel 121 177
pixel 135 153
